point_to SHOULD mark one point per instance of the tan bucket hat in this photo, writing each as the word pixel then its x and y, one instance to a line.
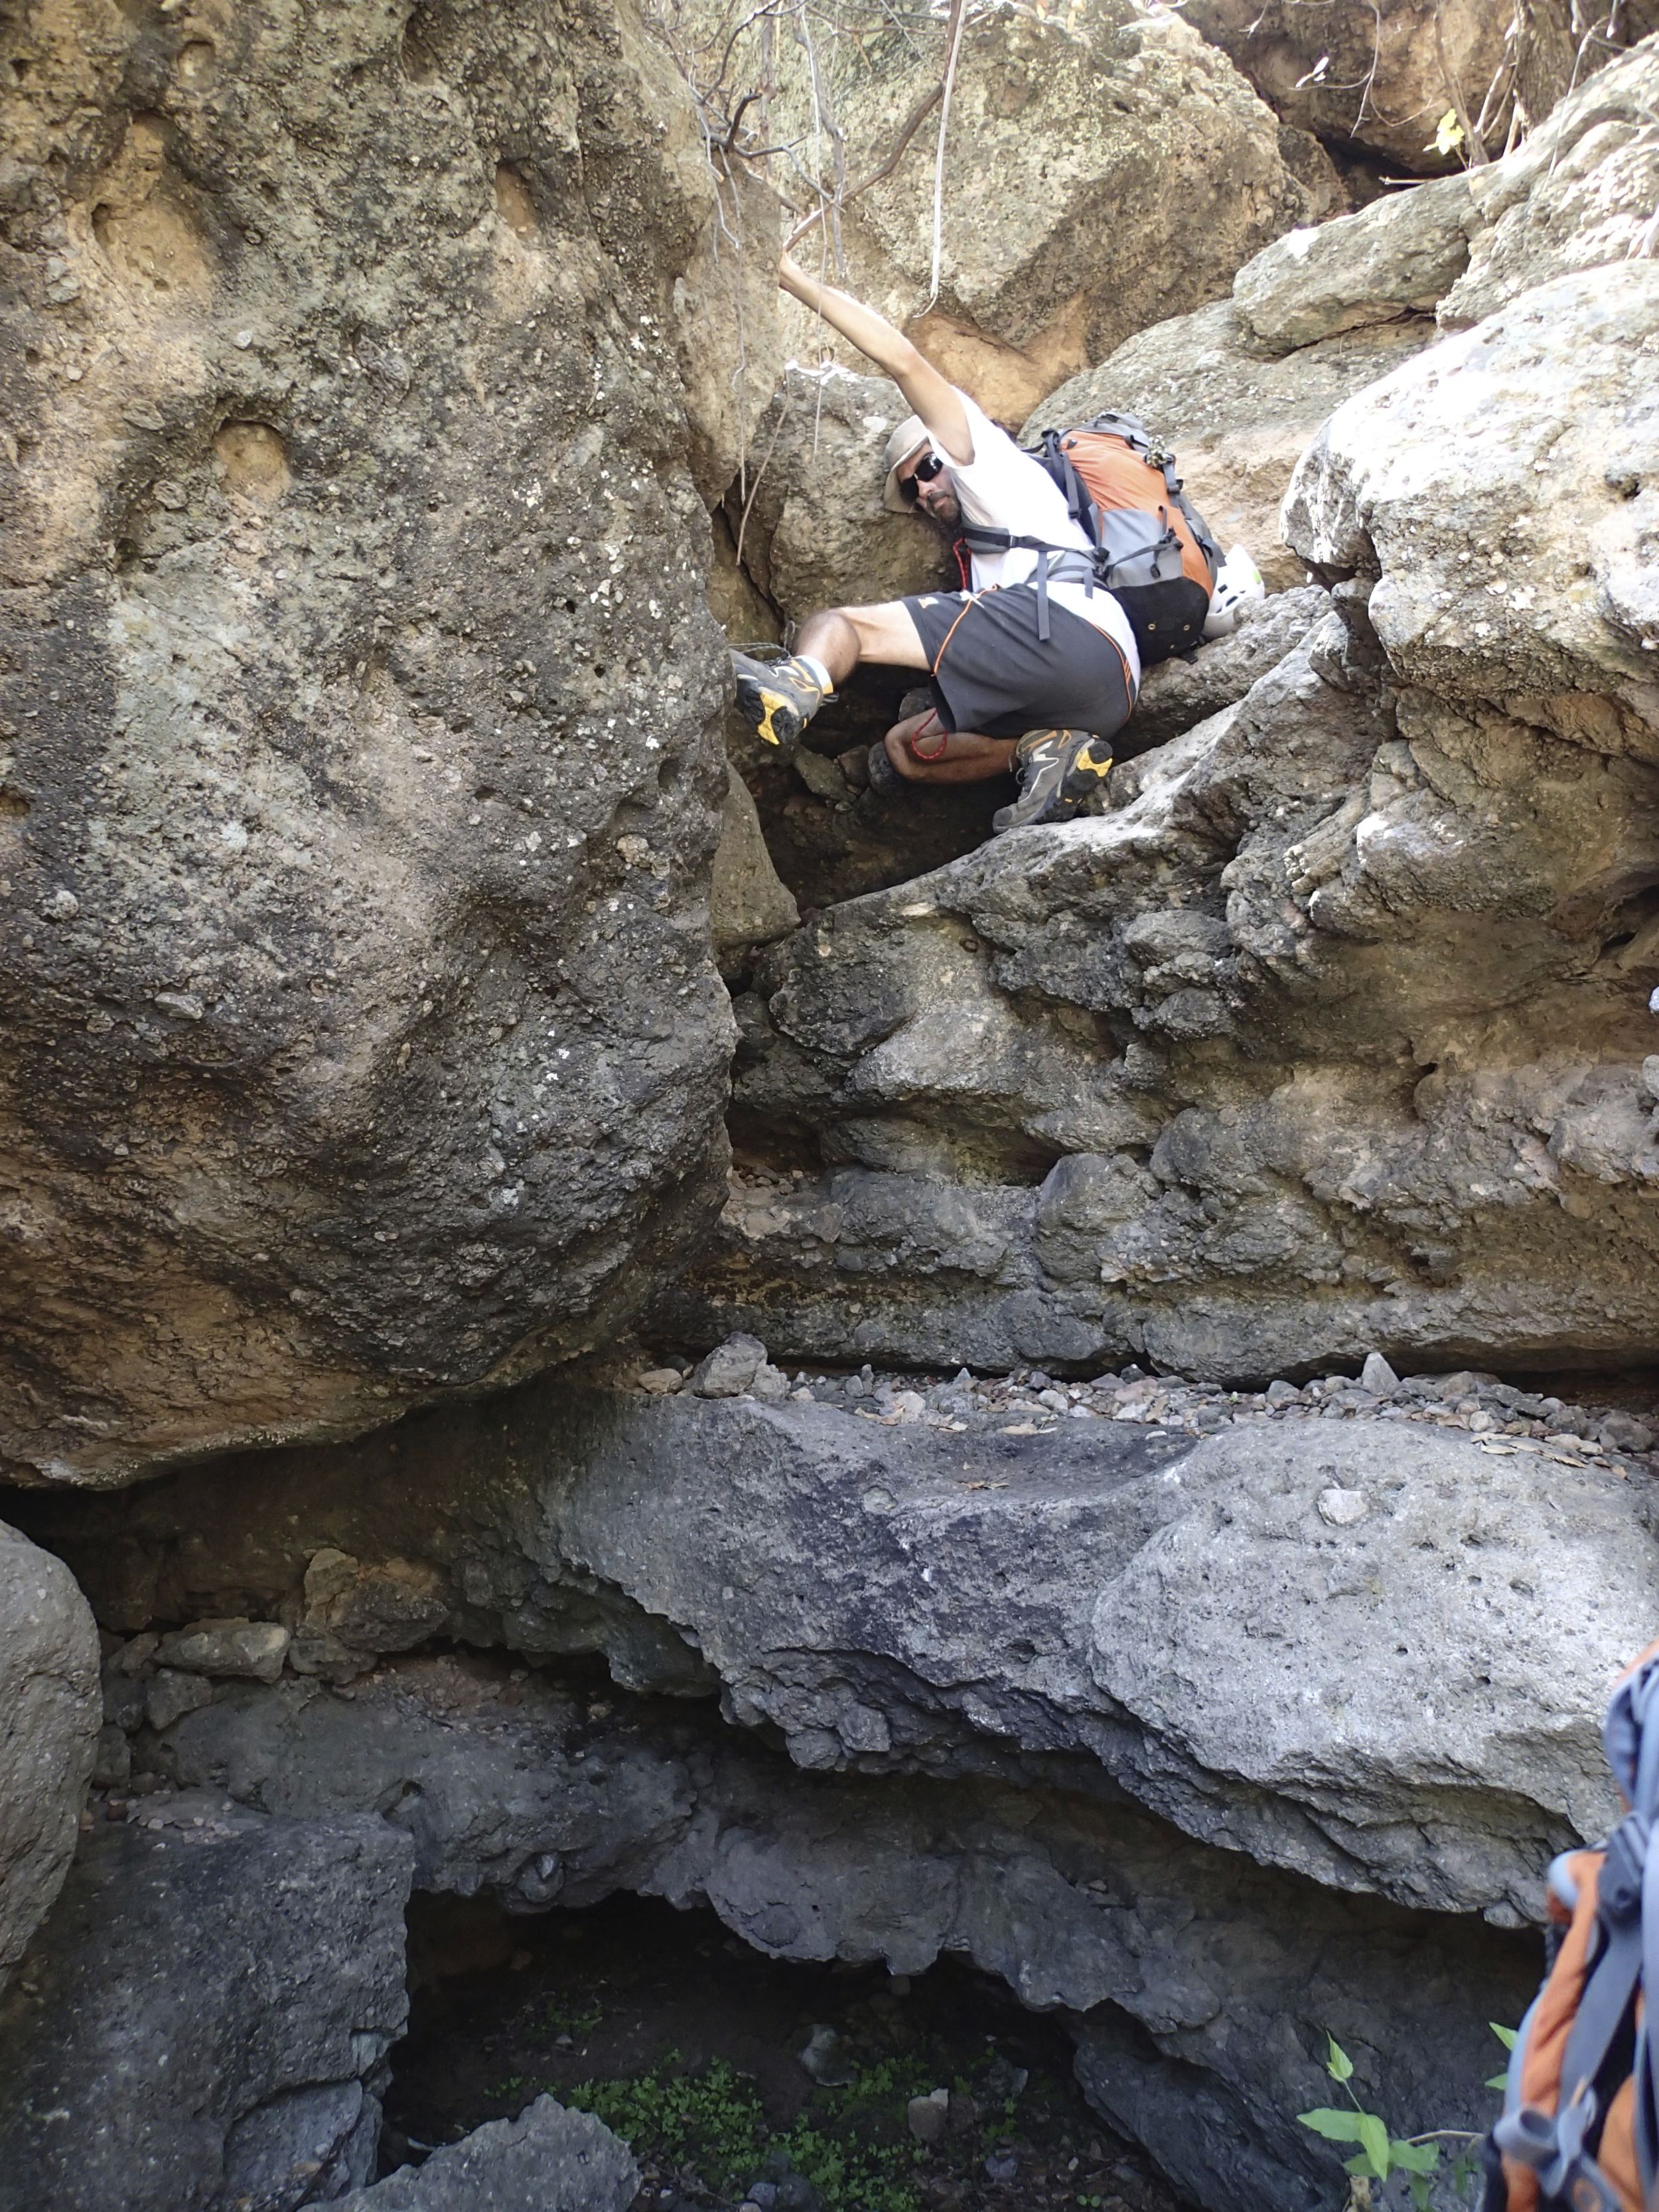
pixel 911 433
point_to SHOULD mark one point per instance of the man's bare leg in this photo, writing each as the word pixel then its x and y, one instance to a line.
pixel 841 637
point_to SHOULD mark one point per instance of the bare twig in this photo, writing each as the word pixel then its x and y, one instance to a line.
pixel 1473 145
pixel 945 90
pixel 908 129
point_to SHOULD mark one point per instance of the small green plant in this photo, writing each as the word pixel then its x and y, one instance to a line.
pixel 503 2093
pixel 565 2017
pixel 712 2122
pixel 1380 2153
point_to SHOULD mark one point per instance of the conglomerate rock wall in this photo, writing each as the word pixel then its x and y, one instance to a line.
pixel 366 374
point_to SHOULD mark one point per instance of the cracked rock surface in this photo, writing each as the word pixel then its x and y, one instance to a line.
pixel 1399 1693
pixel 549 2157
pixel 204 2018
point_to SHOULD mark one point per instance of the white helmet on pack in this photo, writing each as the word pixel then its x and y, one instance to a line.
pixel 1238 580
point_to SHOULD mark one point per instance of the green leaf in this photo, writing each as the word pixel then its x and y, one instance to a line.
pixel 1335 2127
pixel 1339 2065
pixel 1509 2037
pixel 1419 2188
pixel 1359 2164
pixel 1416 2158
pixel 1374 2141
pixel 1497 2080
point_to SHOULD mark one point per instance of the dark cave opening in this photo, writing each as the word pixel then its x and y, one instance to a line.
pixel 742 2079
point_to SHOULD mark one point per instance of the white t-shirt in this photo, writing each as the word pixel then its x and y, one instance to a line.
pixel 1006 489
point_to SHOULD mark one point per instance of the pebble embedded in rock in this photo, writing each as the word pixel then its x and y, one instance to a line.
pixel 1342 1508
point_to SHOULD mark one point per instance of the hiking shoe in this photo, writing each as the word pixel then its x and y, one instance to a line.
pixel 776 698
pixel 1062 773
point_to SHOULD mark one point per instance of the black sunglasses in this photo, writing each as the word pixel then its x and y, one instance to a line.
pixel 924 472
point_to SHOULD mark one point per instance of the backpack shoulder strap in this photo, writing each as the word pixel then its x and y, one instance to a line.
pixel 1050 455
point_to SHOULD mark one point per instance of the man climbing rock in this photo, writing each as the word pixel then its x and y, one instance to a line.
pixel 1034 668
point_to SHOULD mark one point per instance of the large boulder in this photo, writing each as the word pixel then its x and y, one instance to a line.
pixel 1201 1987
pixel 203 2021
pixel 970 1643
pixel 1398 256
pixel 968 1598
pixel 1094 181
pixel 48 1698
pixel 1497 496
pixel 1346 1000
pixel 359 720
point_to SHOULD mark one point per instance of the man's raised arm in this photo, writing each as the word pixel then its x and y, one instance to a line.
pixel 936 400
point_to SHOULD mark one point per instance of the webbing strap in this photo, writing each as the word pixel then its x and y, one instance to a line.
pixel 1553 2144
pixel 1059 564
pixel 1632 1747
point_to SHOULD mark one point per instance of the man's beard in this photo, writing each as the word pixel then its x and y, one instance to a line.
pixel 946 516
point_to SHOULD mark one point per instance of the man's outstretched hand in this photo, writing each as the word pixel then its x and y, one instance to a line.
pixel 936 400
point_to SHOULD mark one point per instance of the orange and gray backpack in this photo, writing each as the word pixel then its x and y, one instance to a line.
pixel 1152 549
pixel 1580 2127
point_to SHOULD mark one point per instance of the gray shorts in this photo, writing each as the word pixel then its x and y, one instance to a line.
pixel 991 672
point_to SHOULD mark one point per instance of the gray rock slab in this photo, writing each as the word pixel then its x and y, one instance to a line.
pixel 50 1714
pixel 1177 695
pixel 1580 192
pixel 903 1598
pixel 210 2000
pixel 549 2160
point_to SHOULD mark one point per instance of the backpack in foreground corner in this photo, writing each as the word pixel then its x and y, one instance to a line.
pixel 1154 551
pixel 1580 2126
